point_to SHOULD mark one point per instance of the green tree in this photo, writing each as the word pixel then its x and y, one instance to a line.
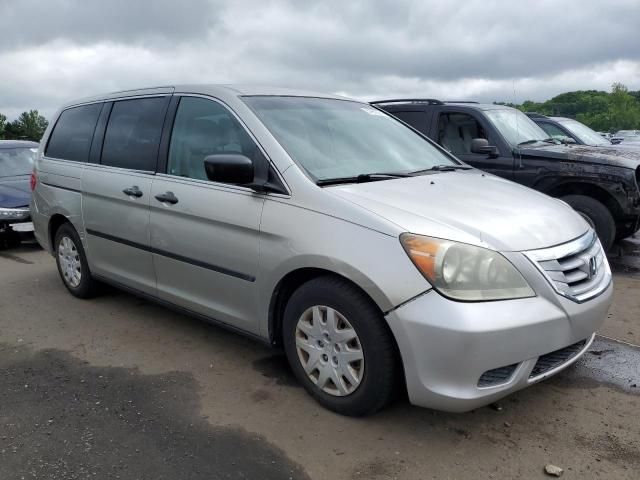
pixel 28 126
pixel 600 110
pixel 623 108
pixel 3 123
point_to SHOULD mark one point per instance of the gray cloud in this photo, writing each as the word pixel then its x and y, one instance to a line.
pixel 26 23
pixel 480 49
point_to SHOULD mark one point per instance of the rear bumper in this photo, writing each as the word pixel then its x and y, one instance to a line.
pixel 447 346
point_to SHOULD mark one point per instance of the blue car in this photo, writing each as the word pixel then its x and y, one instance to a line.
pixel 16 165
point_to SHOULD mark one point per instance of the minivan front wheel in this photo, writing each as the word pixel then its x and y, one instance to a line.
pixel 72 262
pixel 339 347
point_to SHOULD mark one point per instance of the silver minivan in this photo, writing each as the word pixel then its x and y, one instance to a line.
pixel 376 259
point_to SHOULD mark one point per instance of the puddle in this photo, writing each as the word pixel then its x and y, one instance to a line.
pixel 64 418
pixel 607 362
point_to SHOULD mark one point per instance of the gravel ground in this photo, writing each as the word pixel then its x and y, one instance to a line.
pixel 118 387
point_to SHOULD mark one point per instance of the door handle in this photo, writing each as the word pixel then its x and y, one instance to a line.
pixel 167 197
pixel 133 191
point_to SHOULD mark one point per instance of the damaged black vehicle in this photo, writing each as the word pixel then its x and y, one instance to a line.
pixel 600 184
pixel 16 165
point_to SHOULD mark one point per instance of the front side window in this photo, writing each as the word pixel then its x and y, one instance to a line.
pixel 133 133
pixel 16 161
pixel 457 130
pixel 516 128
pixel 201 128
pixel 72 136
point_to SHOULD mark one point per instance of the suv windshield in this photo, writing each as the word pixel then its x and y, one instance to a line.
pixel 16 161
pixel 516 127
pixel 584 133
pixel 333 139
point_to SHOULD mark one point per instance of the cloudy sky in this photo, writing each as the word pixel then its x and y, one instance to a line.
pixel 55 50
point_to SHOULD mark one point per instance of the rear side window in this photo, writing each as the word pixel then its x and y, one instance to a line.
pixel 133 133
pixel 417 120
pixel 71 137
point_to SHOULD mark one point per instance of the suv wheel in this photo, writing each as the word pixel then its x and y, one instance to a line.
pixel 596 215
pixel 72 263
pixel 339 347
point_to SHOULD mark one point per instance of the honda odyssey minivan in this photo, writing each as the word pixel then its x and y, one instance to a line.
pixel 323 225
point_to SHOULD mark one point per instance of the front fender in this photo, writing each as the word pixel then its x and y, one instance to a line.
pixel 292 238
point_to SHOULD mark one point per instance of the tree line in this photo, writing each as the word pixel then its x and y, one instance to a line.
pixel 28 126
pixel 602 111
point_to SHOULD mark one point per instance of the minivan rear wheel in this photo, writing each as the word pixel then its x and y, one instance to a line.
pixel 339 347
pixel 597 215
pixel 72 263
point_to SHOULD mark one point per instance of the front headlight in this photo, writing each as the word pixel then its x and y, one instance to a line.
pixel 465 272
pixel 14 213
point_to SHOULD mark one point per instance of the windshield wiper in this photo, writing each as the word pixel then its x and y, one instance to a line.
pixel 442 168
pixel 362 178
pixel 546 140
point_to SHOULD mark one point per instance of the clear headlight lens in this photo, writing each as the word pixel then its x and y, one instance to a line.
pixel 14 213
pixel 465 272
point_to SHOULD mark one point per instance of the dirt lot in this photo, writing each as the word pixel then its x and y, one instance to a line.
pixel 117 387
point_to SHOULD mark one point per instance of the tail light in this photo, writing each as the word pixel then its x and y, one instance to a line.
pixel 33 180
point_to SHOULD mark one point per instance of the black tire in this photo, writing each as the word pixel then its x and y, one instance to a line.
pixel 380 372
pixel 627 232
pixel 87 286
pixel 599 216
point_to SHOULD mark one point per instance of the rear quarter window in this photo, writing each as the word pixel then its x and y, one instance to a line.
pixel 132 138
pixel 73 133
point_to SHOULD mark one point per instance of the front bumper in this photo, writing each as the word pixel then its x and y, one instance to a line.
pixel 447 346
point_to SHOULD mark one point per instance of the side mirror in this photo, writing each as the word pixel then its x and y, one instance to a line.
pixel 568 140
pixel 481 145
pixel 229 168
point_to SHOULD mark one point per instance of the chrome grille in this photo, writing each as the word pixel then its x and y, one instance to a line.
pixel 578 270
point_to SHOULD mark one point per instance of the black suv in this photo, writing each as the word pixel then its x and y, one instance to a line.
pixel 601 185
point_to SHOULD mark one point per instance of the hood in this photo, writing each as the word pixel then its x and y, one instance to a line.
pixel 470 207
pixel 14 192
pixel 607 155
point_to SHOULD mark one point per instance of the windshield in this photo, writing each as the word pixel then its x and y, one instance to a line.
pixel 584 133
pixel 515 126
pixel 16 161
pixel 339 139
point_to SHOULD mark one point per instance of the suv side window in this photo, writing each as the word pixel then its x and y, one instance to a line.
pixel 72 135
pixel 133 133
pixel 457 130
pixel 201 128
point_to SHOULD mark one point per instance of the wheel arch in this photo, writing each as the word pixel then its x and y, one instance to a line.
pixel 294 279
pixel 55 222
pixel 592 190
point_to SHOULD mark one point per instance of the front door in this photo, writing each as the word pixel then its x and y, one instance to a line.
pixel 456 130
pixel 204 235
pixel 116 194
